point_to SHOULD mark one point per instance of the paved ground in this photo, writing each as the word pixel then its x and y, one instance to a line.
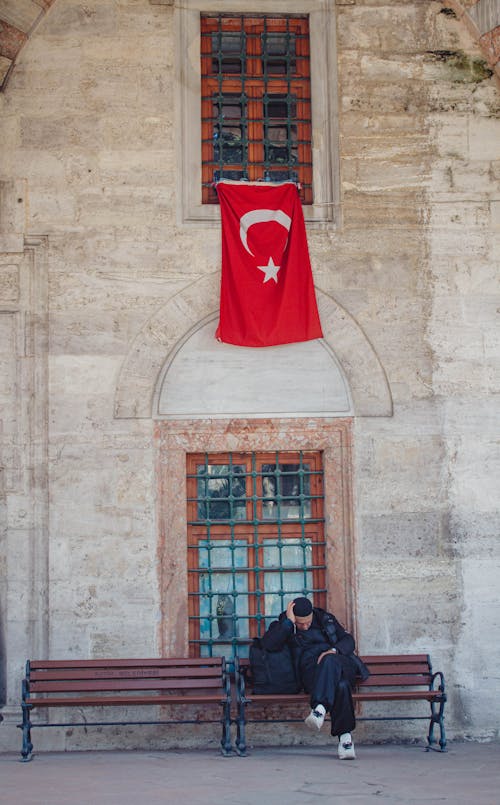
pixel 468 773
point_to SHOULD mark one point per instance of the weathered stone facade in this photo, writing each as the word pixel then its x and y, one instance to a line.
pixel 103 283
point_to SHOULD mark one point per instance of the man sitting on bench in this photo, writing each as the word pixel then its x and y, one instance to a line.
pixel 323 654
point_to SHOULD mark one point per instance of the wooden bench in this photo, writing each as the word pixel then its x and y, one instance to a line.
pixel 128 682
pixel 394 678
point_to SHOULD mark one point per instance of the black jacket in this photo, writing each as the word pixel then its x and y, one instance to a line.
pixel 325 632
pixel 324 625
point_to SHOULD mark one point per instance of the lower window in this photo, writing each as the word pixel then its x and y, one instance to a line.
pixel 255 540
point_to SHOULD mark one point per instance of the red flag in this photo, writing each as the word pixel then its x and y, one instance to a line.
pixel 267 292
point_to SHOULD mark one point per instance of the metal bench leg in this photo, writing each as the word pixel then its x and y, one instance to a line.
pixel 225 744
pixel 437 717
pixel 241 746
pixel 27 750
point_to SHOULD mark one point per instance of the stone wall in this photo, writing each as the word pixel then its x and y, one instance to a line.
pixel 94 266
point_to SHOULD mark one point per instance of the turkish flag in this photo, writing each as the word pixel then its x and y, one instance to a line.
pixel 267 292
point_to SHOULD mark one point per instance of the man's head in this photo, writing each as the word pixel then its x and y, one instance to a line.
pixel 303 611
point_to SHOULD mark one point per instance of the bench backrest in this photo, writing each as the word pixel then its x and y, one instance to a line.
pixel 396 670
pixel 399 670
pixel 157 674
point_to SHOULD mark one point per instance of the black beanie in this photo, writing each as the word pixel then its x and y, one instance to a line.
pixel 302 608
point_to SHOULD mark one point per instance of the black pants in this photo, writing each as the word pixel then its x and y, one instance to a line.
pixel 330 683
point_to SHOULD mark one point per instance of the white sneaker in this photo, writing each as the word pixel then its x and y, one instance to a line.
pixel 346 747
pixel 316 718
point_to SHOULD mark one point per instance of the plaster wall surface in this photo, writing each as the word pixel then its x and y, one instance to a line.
pixel 92 254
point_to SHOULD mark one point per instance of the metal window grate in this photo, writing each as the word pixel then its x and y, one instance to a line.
pixel 256 539
pixel 256 100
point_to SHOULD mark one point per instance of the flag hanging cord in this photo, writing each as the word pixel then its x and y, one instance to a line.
pixel 256 182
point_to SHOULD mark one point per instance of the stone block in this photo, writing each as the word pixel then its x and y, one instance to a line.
pixel 484 139
pixel 13 204
pixel 393 174
pixel 104 642
pixel 391 99
pixel 402 474
pixel 11 244
pixel 386 29
pixel 54 133
pixel 472 179
pixel 82 386
pixel 382 210
pixel 450 136
pixel 51 211
pixel 413 534
pixel 68 643
pixel 447 242
pixel 482 611
pixel 10 141
pixel 475 533
pixel 389 69
pixel 495 214
pixel 384 129
pixel 364 144
pixel 122 131
pixel 431 588
pixel 93 18
pixel 148 168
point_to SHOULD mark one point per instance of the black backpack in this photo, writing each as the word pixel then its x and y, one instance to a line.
pixel 272 671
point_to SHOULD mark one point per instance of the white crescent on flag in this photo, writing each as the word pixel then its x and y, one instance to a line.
pixel 261 217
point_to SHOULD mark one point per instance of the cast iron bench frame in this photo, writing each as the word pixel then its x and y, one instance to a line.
pixel 402 678
pixel 125 682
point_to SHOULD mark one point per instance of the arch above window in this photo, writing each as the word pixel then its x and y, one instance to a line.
pixel 350 354
pixel 205 378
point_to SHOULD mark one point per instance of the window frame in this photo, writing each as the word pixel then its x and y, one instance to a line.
pixel 251 533
pixel 252 86
pixel 322 30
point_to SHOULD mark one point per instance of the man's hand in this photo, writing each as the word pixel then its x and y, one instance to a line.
pixel 324 653
pixel 290 613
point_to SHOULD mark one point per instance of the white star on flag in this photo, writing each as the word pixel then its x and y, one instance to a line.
pixel 271 271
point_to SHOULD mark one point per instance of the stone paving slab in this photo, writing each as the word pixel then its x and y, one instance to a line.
pixel 468 773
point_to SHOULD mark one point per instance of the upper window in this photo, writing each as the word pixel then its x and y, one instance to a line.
pixel 255 100
pixel 260 102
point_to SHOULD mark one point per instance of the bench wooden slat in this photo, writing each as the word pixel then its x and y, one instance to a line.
pixel 134 662
pixel 123 673
pixel 416 668
pixel 123 684
pixel 105 701
pixel 377 680
pixel 365 696
pixel 394 695
pixel 392 659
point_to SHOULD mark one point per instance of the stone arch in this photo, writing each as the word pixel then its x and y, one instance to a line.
pixel 170 327
pixel 207 379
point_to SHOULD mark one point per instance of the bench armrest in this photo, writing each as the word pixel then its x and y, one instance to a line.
pixel 437 675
